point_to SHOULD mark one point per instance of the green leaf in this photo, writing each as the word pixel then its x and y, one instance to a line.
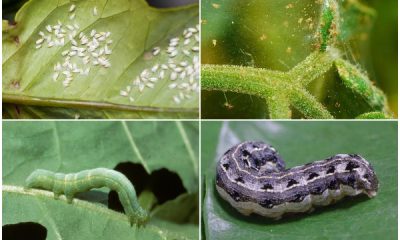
pixel 135 30
pixel 180 210
pixel 74 146
pixel 65 221
pixel 282 60
pixel 299 143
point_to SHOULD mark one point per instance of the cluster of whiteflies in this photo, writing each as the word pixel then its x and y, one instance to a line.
pixel 86 50
pixel 181 68
pixel 92 49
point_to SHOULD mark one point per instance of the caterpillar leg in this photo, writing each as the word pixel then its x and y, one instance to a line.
pixel 138 221
pixel 57 195
pixel 69 197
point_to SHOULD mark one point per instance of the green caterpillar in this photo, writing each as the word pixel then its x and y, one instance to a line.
pixel 73 183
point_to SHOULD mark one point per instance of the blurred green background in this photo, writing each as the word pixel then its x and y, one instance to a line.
pixel 279 34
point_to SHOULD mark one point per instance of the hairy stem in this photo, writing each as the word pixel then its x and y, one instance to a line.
pixel 279 89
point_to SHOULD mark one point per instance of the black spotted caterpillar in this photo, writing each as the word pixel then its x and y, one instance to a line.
pixel 252 177
pixel 73 183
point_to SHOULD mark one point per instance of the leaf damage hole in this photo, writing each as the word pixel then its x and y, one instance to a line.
pixel 24 230
pixel 164 184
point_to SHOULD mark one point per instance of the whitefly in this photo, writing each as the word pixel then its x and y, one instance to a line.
pixel 77 58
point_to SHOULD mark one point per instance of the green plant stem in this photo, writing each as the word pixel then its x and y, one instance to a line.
pixel 281 90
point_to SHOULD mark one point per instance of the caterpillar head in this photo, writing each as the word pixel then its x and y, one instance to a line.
pixel 369 182
pixel 367 179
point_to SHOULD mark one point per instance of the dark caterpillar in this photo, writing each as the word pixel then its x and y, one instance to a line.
pixel 252 177
pixel 73 183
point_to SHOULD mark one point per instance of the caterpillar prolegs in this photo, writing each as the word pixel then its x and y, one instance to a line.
pixel 72 183
pixel 252 177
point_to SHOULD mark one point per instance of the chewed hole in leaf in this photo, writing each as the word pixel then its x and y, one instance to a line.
pixel 164 184
pixel 22 230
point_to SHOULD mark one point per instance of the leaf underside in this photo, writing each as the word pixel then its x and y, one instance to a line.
pixel 135 29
